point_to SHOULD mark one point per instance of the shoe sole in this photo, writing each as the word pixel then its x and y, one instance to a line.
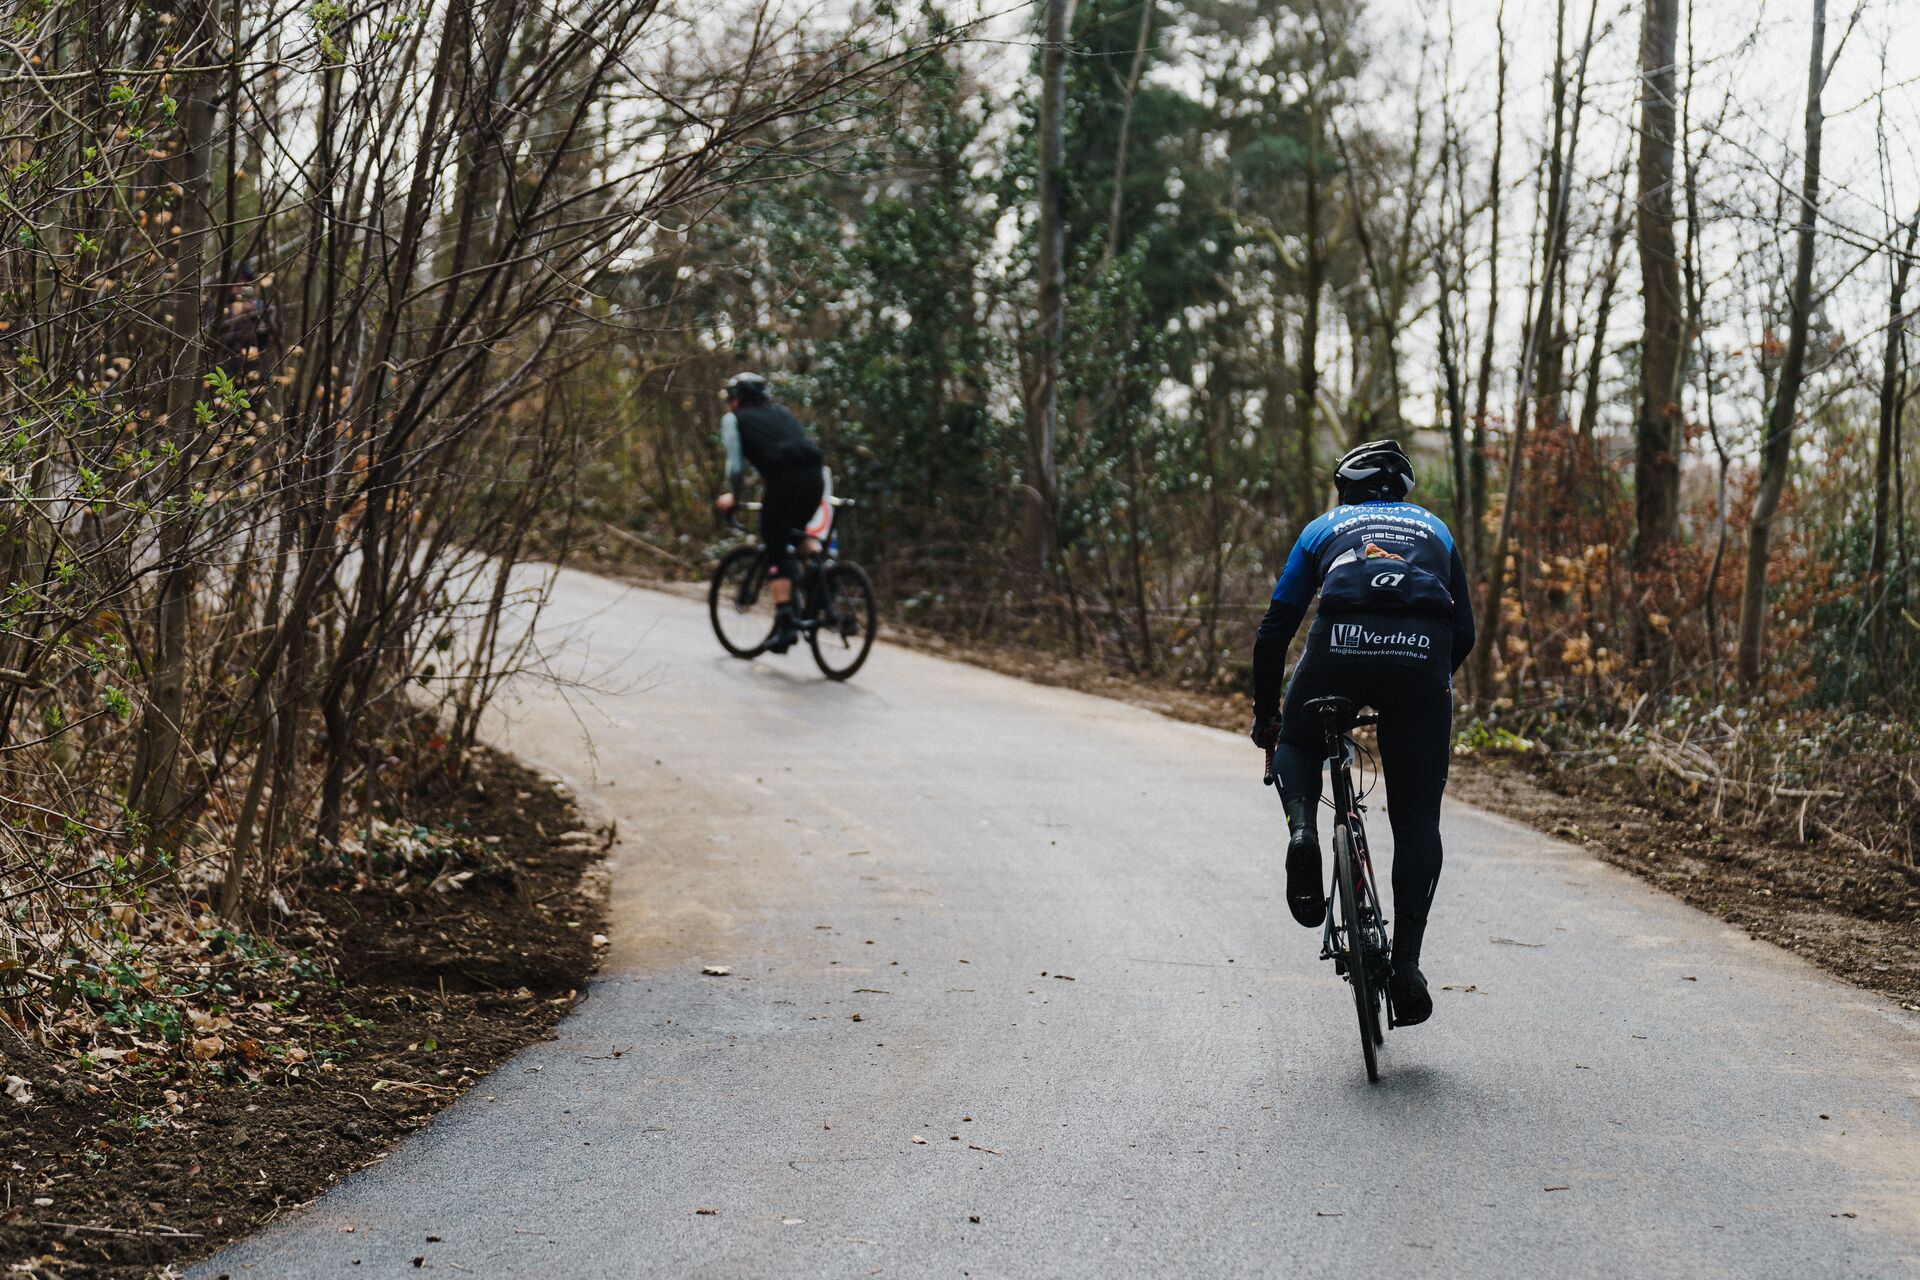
pixel 1309 906
pixel 1402 1021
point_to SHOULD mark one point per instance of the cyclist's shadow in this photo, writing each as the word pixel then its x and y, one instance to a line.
pixel 791 675
pixel 1409 1082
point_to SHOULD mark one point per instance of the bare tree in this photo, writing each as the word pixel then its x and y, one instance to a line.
pixel 1562 151
pixel 1483 381
pixel 1131 94
pixel 243 503
pixel 1886 445
pixel 1043 402
pixel 1776 450
pixel 1306 385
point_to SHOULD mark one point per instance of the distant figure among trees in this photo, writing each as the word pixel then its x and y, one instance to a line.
pixel 247 327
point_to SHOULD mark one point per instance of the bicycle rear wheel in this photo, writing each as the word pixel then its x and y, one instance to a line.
pixel 846 617
pixel 739 603
pixel 1353 930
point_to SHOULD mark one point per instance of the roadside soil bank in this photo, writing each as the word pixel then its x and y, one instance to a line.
pixel 384 998
pixel 1853 913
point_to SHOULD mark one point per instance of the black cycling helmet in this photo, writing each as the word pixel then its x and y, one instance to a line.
pixel 747 388
pixel 1376 469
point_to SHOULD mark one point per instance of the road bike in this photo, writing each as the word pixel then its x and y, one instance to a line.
pixel 835 604
pixel 1355 935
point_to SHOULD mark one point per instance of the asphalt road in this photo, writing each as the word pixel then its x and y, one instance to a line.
pixel 1045 933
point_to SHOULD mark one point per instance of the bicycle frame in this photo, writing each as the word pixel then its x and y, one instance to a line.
pixel 1350 841
pixel 810 588
pixel 840 636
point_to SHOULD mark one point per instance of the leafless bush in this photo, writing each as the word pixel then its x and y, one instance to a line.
pixel 287 296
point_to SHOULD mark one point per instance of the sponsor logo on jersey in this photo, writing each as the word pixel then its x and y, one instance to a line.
pixel 1389 579
pixel 1410 522
pixel 1354 635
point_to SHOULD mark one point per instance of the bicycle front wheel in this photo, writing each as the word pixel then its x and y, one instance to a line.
pixel 1353 930
pixel 739 603
pixel 845 619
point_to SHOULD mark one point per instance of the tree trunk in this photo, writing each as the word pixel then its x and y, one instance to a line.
pixel 1659 437
pixel 1776 453
pixel 154 791
pixel 1603 316
pixel 1694 284
pixel 1890 378
pixel 1044 406
pixel 1306 389
pixel 1450 363
pixel 1126 131
pixel 1477 458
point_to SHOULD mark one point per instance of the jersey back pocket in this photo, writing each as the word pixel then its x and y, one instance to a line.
pixel 1383 585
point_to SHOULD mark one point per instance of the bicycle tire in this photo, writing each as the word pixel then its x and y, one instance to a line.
pixel 743 606
pixel 848 601
pixel 1353 928
pixel 1380 970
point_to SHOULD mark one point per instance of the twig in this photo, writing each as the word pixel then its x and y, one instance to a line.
pixel 164 1231
pixel 380 1086
pixel 644 545
pixel 1844 838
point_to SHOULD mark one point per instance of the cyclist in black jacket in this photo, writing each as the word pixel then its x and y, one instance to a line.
pixel 792 474
pixel 1395 622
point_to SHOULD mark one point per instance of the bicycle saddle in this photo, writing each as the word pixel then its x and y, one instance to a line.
pixel 1337 714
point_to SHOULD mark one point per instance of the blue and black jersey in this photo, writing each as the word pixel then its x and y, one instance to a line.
pixel 1392 589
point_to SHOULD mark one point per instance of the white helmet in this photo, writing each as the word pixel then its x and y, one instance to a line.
pixel 746 387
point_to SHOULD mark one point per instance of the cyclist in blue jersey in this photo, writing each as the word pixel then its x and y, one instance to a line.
pixel 1395 622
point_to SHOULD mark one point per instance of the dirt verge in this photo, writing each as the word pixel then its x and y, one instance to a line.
pixel 373 1012
pixel 1852 913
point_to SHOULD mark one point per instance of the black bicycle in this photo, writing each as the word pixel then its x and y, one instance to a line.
pixel 1355 935
pixel 837 612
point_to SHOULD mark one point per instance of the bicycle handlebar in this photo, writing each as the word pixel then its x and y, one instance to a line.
pixel 732 514
pixel 832 502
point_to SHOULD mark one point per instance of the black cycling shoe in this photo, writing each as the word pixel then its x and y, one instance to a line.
pixel 785 633
pixel 1306 893
pixel 1407 991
